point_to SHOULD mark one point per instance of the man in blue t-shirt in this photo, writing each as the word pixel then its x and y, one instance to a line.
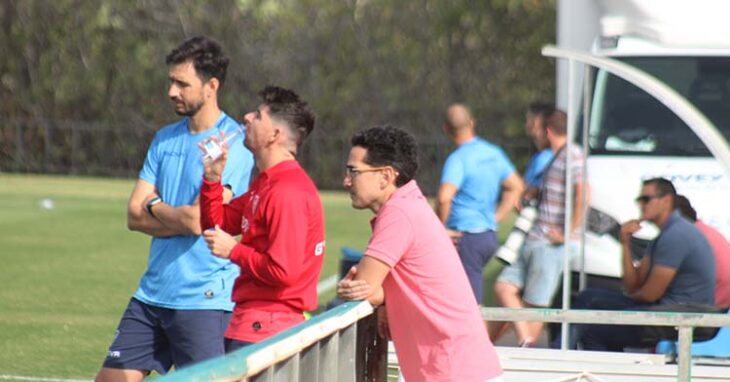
pixel 469 201
pixel 535 167
pixel 676 273
pixel 178 314
pixel 537 114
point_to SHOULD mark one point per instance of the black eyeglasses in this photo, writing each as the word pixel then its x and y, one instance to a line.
pixel 352 172
pixel 643 199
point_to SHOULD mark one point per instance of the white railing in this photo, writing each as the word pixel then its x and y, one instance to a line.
pixel 342 345
pixel 685 322
pixel 339 345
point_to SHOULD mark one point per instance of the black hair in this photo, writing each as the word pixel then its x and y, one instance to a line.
pixel 389 146
pixel 685 207
pixel 542 110
pixel 664 187
pixel 206 55
pixel 286 106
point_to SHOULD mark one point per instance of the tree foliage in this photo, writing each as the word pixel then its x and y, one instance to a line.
pixel 358 62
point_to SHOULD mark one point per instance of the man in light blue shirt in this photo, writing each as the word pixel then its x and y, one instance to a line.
pixel 178 314
pixel 535 118
pixel 469 202
pixel 535 167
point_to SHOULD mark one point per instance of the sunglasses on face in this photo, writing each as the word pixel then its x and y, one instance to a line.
pixel 643 199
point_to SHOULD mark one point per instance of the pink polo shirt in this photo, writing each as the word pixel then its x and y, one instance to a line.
pixel 434 320
pixel 721 249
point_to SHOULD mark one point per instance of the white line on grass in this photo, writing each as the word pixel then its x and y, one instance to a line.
pixel 327 284
pixel 39 379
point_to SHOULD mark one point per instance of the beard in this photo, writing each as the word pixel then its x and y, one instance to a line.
pixel 189 109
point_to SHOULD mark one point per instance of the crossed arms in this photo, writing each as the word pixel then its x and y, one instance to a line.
pixel 167 220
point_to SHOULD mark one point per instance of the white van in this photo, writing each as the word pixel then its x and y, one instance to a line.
pixel 631 135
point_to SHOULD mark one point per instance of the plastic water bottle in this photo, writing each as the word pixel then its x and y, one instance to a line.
pixel 213 149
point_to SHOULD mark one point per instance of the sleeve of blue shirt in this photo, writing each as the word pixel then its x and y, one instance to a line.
pixel 671 250
pixel 453 171
pixel 536 166
pixel 531 176
pixel 151 162
pixel 506 168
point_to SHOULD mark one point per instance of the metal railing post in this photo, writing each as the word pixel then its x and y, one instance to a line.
pixel 568 223
pixel 265 376
pixel 684 364
pixel 309 363
pixel 372 351
pixel 347 349
pixel 587 101
pixel 287 370
pixel 328 357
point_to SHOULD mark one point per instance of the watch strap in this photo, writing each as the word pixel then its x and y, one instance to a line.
pixel 151 203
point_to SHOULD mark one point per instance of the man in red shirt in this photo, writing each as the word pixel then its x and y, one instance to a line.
pixel 280 220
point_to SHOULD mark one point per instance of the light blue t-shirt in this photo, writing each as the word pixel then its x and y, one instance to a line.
pixel 536 166
pixel 181 272
pixel 477 168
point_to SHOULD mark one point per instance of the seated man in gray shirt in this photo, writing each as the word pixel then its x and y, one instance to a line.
pixel 678 270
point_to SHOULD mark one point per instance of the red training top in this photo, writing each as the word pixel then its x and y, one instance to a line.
pixel 281 251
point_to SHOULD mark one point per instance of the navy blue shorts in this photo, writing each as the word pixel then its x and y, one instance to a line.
pixel 153 338
pixel 233 345
pixel 475 249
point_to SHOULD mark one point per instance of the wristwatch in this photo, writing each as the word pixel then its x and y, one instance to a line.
pixel 151 203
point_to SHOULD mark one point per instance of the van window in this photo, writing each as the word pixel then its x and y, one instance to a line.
pixel 628 121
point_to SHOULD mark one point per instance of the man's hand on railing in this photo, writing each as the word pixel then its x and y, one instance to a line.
pixel 350 289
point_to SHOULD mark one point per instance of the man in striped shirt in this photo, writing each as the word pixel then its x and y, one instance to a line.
pixel 533 279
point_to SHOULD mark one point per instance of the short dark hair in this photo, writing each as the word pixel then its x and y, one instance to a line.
pixel 389 146
pixel 557 121
pixel 286 106
pixel 685 207
pixel 541 109
pixel 664 187
pixel 206 55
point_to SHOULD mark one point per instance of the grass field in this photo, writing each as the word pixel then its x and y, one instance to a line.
pixel 68 272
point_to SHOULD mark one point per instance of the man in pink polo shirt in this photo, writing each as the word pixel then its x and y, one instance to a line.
pixel 411 266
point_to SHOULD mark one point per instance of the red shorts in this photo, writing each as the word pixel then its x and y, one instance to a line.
pixel 252 325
